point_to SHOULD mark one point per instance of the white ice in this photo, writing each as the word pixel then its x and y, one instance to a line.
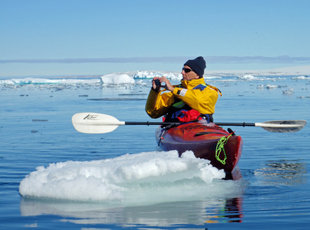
pixel 132 178
pixel 151 74
pixel 117 79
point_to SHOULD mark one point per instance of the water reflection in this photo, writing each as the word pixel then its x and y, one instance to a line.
pixel 232 212
pixel 283 172
pixel 165 214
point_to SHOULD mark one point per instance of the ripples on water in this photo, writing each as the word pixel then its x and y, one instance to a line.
pixel 36 131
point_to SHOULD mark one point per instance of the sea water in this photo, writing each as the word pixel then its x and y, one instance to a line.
pixel 52 177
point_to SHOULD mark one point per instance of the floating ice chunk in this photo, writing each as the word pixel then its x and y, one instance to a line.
pixel 288 91
pixel 247 77
pixel 272 86
pixel 213 77
pixel 261 86
pixel 303 97
pixel 146 75
pixel 152 175
pixel 173 76
pixel 301 78
pixel 150 75
pixel 269 87
pixel 116 79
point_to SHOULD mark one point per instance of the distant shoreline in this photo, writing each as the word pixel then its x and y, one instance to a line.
pixel 286 71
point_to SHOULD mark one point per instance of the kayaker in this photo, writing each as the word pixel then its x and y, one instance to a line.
pixel 191 100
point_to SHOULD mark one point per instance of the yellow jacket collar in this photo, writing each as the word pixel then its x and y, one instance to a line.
pixel 192 83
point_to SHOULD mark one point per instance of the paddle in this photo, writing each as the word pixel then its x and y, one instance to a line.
pixel 103 123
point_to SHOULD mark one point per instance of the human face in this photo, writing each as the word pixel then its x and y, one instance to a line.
pixel 189 74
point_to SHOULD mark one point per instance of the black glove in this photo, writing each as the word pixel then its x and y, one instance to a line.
pixel 158 85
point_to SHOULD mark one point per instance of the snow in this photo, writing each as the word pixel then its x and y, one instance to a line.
pixel 147 176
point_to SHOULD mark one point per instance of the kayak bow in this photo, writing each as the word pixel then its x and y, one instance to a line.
pixel 207 141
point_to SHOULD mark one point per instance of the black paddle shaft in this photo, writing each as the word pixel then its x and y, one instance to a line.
pixel 151 123
pixel 178 123
pixel 244 124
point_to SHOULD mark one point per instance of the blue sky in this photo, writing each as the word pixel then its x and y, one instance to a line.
pixel 60 37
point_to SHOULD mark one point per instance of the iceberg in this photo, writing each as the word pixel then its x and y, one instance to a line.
pixel 150 75
pixel 116 79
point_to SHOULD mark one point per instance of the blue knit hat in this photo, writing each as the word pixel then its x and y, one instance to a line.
pixel 198 65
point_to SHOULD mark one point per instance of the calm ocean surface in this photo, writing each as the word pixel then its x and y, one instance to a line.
pixel 111 181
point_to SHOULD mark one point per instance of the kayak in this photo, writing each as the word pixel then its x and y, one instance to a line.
pixel 207 140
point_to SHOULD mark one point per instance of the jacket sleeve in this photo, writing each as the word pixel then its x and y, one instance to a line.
pixel 202 100
pixel 158 103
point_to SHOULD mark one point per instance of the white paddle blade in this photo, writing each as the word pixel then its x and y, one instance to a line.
pixel 95 123
pixel 284 126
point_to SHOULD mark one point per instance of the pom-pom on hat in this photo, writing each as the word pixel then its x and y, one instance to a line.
pixel 198 65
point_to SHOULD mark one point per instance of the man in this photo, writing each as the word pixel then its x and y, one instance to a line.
pixel 191 100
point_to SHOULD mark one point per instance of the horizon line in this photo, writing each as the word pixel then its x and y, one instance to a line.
pixel 174 59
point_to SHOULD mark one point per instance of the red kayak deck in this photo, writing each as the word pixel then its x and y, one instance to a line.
pixel 207 141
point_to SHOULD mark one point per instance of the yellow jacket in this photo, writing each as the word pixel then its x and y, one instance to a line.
pixel 194 93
